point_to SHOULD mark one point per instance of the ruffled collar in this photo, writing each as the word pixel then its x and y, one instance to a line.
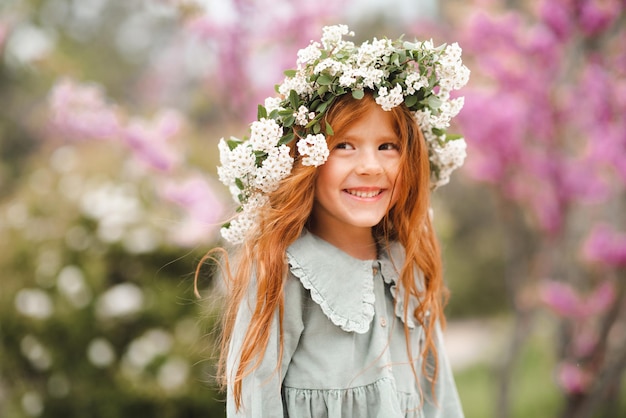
pixel 343 286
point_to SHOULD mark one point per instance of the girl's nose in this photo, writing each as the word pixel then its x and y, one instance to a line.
pixel 369 163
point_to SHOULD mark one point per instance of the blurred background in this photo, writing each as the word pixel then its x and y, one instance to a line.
pixel 110 113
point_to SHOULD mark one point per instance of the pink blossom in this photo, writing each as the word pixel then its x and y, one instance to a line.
pixel 605 245
pixel 567 302
pixel 153 141
pixel 562 299
pixel 585 341
pixel 545 48
pixel 597 16
pixel 573 378
pixel 493 125
pixel 557 15
pixel 202 206
pixel 80 111
pixel 601 299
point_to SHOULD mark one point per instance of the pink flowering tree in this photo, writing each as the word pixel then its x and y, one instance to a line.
pixel 544 121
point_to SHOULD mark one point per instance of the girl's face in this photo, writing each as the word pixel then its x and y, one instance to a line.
pixel 356 186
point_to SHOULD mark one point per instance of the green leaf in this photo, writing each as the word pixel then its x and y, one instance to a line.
pixel 322 90
pixel 453 137
pixel 438 131
pixel 358 94
pixel 395 59
pixel 261 112
pixel 410 101
pixel 313 122
pixel 239 184
pixel 274 114
pixel 290 73
pixel 294 99
pixel 315 103
pixel 329 129
pixel 322 107
pixel 434 102
pixel 289 121
pixel 324 80
pixel 317 128
pixel 339 90
pixel 233 143
pixel 287 138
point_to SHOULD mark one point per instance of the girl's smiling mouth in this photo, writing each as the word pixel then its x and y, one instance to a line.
pixel 364 193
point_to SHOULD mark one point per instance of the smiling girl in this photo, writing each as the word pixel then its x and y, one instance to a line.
pixel 335 304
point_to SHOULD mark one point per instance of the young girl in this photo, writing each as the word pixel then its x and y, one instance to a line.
pixel 335 306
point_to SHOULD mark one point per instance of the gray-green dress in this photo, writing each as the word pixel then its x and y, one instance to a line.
pixel 345 352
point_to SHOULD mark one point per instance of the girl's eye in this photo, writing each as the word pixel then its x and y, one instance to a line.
pixel 344 145
pixel 389 146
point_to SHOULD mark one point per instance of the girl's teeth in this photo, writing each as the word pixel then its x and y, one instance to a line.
pixel 364 194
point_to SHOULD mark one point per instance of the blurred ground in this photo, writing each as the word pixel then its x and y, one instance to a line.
pixel 474 341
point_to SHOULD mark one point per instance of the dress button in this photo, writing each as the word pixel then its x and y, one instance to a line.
pixel 383 322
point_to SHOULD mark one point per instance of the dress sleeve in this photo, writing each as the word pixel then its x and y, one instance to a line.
pixel 261 390
pixel 448 403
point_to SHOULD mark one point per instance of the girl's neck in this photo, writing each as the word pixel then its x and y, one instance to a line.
pixel 358 243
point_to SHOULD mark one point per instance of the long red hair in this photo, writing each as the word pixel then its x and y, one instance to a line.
pixel 283 220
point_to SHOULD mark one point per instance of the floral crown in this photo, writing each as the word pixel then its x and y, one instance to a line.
pixel 414 73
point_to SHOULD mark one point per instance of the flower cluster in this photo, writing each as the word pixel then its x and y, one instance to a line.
pixel 417 74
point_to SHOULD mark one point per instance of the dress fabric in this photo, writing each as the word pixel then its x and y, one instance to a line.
pixel 344 348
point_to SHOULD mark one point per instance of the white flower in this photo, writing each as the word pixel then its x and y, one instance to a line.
pixel 309 54
pixel 452 54
pixel 264 135
pixel 390 99
pixel 303 115
pixel 299 83
pixel 447 111
pixel 236 164
pixel 331 35
pixel 330 65
pixel 122 300
pixel 414 82
pixel 370 53
pixel 244 224
pixel 448 158
pixel 451 72
pixel 101 352
pixel 71 283
pixel 275 167
pixel 34 303
pixel 427 45
pixel 313 149
pixel 272 103
pixel 38 355
pixel 371 76
pixel 348 78
pixel 423 117
pixel 238 228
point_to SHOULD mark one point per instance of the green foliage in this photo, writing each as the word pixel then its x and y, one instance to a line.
pixel 68 352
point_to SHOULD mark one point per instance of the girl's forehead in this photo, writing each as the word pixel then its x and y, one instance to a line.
pixel 374 122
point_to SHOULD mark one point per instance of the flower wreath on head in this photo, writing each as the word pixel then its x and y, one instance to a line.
pixel 417 74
